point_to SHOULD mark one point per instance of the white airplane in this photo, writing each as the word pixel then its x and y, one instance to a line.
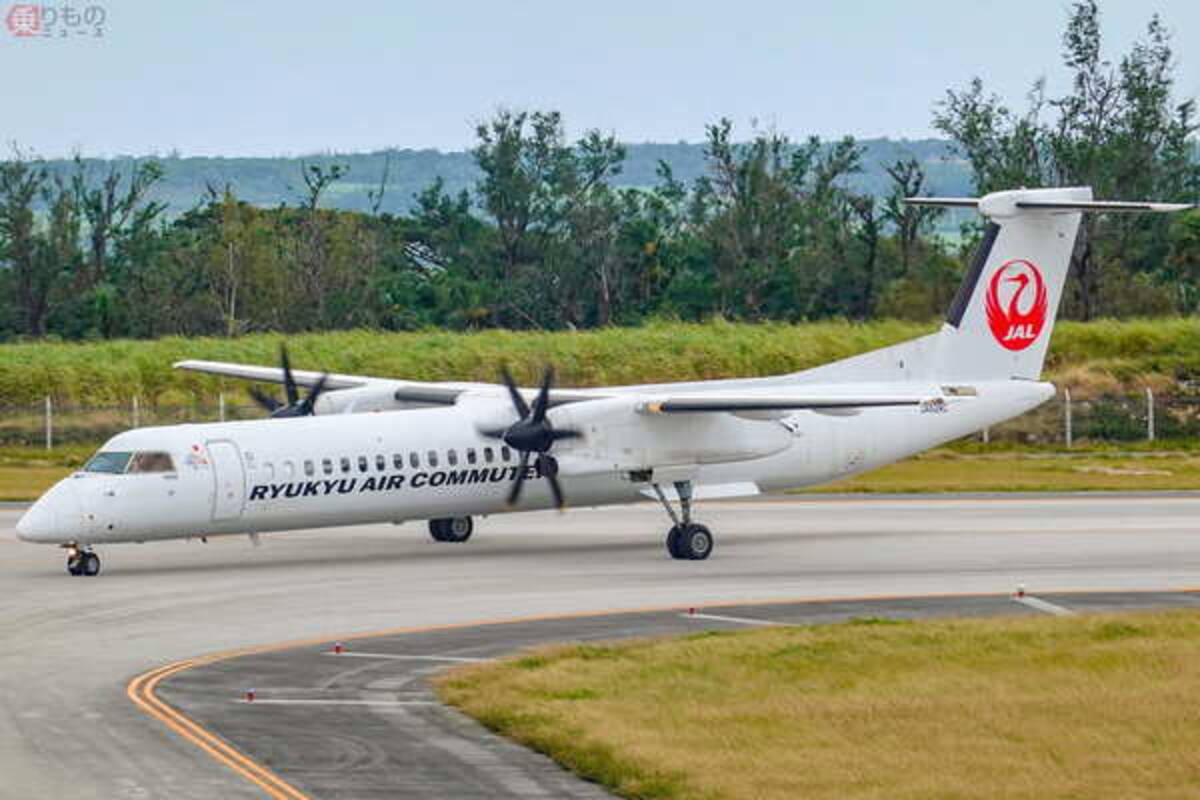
pixel 446 452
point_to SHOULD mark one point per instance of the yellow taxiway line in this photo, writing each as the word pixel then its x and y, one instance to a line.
pixel 141 690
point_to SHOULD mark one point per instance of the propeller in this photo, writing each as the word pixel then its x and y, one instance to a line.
pixel 295 406
pixel 532 435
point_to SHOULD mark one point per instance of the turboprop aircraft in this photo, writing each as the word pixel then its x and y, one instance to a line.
pixel 447 452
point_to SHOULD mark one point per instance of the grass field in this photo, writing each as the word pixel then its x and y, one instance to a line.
pixel 27 472
pixel 1091 357
pixel 1016 471
pixel 1093 707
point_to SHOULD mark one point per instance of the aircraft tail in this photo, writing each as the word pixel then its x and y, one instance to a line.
pixel 1000 322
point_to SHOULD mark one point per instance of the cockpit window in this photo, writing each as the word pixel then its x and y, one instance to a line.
pixel 151 461
pixel 111 461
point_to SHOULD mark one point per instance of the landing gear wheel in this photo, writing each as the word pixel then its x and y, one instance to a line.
pixel 451 529
pixel 693 542
pixel 83 562
pixel 673 541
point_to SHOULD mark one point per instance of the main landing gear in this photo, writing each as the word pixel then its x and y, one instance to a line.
pixel 451 529
pixel 686 540
pixel 82 561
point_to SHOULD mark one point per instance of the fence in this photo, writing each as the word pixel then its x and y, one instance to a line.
pixel 50 424
pixel 1065 420
pixel 1069 419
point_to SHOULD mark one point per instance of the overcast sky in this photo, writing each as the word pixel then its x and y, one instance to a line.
pixel 265 77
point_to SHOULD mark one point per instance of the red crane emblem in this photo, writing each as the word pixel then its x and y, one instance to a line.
pixel 1017 323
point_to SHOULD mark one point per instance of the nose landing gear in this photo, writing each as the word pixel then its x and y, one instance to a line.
pixel 451 529
pixel 686 540
pixel 82 561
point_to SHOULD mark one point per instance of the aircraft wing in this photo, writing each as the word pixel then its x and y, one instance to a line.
pixel 247 372
pixel 403 391
pixel 448 393
pixel 690 404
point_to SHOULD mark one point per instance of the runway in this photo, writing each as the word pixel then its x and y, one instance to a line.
pixel 69 646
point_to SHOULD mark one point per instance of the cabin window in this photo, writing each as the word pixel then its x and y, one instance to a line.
pixel 398 461
pixel 489 455
pixel 414 459
pixel 289 470
pixel 327 466
pixel 452 458
pixel 471 458
pixel 505 454
pixel 112 462
pixel 432 458
pixel 269 470
pixel 380 462
pixel 345 464
pixel 309 469
pixel 363 466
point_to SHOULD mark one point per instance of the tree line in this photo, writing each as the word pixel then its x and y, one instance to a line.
pixel 547 238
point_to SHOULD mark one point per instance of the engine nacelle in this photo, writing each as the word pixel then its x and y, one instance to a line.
pixel 619 437
pixel 355 401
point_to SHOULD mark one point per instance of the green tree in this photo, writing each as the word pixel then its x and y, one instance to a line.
pixel 21 180
pixel 1118 130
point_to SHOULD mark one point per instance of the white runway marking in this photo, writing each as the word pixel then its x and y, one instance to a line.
pixel 1042 605
pixel 402 657
pixel 739 620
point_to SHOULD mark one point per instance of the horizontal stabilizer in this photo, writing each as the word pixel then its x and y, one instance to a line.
pixel 1052 205
pixel 1107 205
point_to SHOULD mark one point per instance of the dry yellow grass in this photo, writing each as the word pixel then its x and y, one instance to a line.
pixel 947 471
pixel 1092 707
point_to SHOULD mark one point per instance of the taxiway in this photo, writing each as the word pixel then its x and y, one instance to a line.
pixel 69 646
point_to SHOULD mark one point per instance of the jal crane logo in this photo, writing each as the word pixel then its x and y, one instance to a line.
pixel 1016 304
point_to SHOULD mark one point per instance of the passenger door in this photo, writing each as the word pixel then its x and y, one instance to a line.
pixel 229 480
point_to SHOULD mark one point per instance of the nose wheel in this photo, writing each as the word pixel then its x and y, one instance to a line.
pixel 451 529
pixel 82 562
pixel 687 540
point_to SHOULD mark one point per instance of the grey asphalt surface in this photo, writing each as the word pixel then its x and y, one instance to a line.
pixel 364 722
pixel 69 646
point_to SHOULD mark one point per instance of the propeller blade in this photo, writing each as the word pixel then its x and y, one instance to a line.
pixel 492 433
pixel 518 401
pixel 515 492
pixel 565 433
pixel 547 467
pixel 264 400
pixel 308 407
pixel 289 382
pixel 543 397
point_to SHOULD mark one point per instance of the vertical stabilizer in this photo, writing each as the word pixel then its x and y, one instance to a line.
pixel 1000 322
pixel 999 326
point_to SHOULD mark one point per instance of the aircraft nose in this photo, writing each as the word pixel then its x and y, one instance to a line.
pixel 36 522
pixel 55 517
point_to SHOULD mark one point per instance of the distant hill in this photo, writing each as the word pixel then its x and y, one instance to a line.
pixel 272 181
